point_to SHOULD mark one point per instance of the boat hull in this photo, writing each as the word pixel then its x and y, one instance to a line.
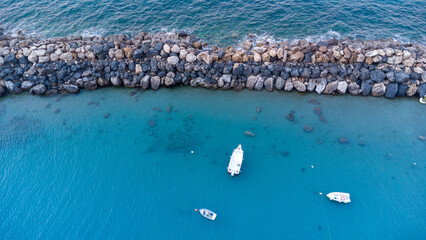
pixel 234 167
pixel 208 214
pixel 339 197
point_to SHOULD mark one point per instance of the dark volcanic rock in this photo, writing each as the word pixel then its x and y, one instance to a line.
pixel 402 90
pixel 366 88
pixel 401 77
pixel 391 90
pixel 377 76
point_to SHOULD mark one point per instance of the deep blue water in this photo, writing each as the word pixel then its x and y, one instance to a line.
pixel 222 22
pixel 93 166
pixel 69 171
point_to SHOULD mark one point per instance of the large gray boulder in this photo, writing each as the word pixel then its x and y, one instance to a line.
pixel 27 85
pixel 288 85
pixel 391 90
pixel 269 84
pixel 169 79
pixel 311 85
pixel 117 82
pixel 279 83
pixel 412 89
pixel 321 86
pixel 342 87
pixel 300 86
pixel 144 83
pixel 173 60
pixel 379 89
pixel 353 88
pixel 66 57
pixel 155 82
pixel 70 88
pixel 331 87
pixel 259 84
pixel 251 81
pixel 38 89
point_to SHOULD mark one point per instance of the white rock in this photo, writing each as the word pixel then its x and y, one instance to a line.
pixel 166 48
pixel 300 86
pixel 43 59
pixel 54 57
pixel 342 87
pixel 175 48
pixel 389 52
pixel 67 57
pixel 372 53
pixel 33 57
pixel 191 58
pixel 138 69
pixel 182 54
pixel 26 52
pixel 172 60
pixel 40 52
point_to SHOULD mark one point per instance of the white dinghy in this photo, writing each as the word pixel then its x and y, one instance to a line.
pixel 340 197
pixel 207 213
pixel 236 161
pixel 422 100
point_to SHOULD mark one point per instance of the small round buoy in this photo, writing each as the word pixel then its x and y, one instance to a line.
pixel 415 163
pixel 192 151
pixel 196 210
pixel 312 166
pixel 320 193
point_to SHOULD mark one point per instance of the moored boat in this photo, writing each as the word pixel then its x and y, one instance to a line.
pixel 339 197
pixel 422 100
pixel 236 161
pixel 207 213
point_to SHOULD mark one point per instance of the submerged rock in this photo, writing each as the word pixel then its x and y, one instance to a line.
pixel 249 134
pixel 343 140
pixel 317 111
pixel 308 128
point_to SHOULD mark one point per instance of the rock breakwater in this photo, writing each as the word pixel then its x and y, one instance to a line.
pixel 67 64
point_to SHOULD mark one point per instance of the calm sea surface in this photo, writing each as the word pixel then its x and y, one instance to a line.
pixel 222 22
pixel 117 164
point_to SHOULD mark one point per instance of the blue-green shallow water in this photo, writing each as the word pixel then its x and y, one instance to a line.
pixel 222 22
pixel 67 172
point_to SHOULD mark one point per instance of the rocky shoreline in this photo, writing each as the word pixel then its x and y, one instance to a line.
pixel 68 64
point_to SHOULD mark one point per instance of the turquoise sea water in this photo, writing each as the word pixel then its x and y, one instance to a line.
pixel 222 22
pixel 117 164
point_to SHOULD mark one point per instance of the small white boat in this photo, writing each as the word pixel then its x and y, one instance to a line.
pixel 207 213
pixel 236 161
pixel 422 100
pixel 340 197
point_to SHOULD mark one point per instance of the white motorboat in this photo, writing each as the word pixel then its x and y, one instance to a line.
pixel 422 100
pixel 236 161
pixel 339 197
pixel 207 213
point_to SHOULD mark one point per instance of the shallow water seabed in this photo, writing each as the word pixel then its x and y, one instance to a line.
pixel 117 163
